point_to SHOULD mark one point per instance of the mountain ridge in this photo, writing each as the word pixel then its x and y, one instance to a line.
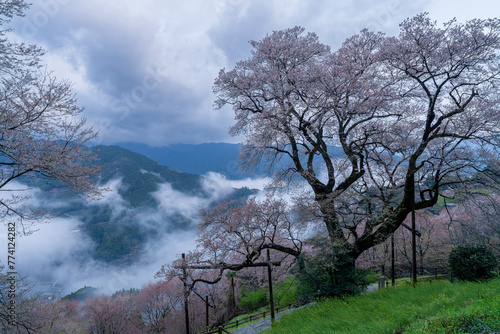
pixel 198 159
pixel 136 212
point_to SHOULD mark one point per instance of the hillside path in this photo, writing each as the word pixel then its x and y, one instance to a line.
pixel 262 325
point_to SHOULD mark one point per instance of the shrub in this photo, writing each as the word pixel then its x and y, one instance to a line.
pixel 253 300
pixel 472 263
pixel 285 292
pixel 329 273
pixel 372 276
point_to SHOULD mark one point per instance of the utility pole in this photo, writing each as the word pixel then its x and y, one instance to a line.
pixel 206 313
pixel 414 233
pixel 271 299
pixel 393 268
pixel 186 293
pixel 267 264
pixel 413 240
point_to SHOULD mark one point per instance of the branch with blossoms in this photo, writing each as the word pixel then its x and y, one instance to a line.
pixel 233 237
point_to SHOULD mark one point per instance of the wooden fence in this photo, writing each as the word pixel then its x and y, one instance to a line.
pixel 254 317
pixel 429 274
pixel 436 273
pixel 219 330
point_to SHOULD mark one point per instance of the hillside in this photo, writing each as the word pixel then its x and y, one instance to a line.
pixel 197 159
pixel 141 175
pixel 437 307
pixel 222 158
pixel 139 205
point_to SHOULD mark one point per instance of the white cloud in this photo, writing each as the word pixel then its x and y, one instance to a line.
pixel 112 197
pixel 171 201
pixel 111 52
pixel 445 10
pixel 56 243
pixel 221 186
pixel 62 252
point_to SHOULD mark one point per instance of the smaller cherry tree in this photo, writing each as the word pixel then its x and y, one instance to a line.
pixel 157 302
pixel 42 131
pixel 113 315
pixel 233 237
pixel 476 221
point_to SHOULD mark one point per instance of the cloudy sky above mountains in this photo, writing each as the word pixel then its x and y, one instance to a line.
pixel 144 69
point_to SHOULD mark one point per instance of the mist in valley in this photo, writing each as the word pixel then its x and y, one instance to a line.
pixel 59 256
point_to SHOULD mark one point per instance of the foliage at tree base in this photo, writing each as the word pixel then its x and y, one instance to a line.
pixel 329 273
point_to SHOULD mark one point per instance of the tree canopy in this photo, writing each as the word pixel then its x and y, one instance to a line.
pixel 42 133
pixel 414 115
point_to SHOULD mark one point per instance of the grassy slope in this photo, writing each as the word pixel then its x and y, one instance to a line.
pixel 391 310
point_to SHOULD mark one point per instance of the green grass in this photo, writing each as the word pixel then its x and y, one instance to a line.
pixel 480 315
pixel 285 293
pixel 391 310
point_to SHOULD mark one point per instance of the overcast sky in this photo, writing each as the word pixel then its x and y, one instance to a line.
pixel 144 70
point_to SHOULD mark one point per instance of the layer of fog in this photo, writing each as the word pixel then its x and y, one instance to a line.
pixel 58 256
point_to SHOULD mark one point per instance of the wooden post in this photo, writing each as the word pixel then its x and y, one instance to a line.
pixel 186 293
pixel 206 312
pixel 271 299
pixel 413 241
pixel 393 270
pixel 233 305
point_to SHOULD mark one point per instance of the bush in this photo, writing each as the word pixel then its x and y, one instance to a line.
pixel 253 300
pixel 472 263
pixel 285 292
pixel 329 273
pixel 372 276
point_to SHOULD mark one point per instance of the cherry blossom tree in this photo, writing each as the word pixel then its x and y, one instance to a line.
pixel 432 245
pixel 16 308
pixel 475 221
pixel 113 315
pixel 373 127
pixel 21 311
pixel 56 316
pixel 41 131
pixel 232 237
pixel 156 303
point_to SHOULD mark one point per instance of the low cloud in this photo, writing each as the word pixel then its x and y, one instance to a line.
pixel 59 255
pixel 219 184
pixel 171 201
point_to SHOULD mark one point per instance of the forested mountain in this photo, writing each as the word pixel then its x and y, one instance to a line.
pixel 197 159
pixel 141 175
pixel 202 158
pixel 138 206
